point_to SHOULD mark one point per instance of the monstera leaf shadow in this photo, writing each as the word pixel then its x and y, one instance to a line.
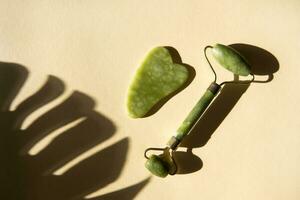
pixel 30 177
pixel 263 64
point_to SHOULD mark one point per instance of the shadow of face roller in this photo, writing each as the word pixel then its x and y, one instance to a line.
pixel 262 63
pixel 29 177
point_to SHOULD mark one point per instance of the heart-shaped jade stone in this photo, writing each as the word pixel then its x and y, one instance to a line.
pixel 157 77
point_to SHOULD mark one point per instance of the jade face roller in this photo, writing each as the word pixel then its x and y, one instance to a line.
pixel 163 164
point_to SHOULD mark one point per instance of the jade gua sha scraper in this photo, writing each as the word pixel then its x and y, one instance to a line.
pixel 157 77
pixel 163 164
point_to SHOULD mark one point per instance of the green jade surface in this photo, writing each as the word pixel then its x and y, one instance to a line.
pixel 158 165
pixel 231 59
pixel 194 115
pixel 156 78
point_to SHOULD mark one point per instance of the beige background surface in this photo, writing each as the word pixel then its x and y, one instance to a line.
pixel 95 48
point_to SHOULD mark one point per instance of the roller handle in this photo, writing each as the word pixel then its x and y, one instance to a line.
pixel 194 115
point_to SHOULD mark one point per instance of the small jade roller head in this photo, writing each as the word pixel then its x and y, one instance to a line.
pixel 161 165
pixel 230 59
pixel 157 166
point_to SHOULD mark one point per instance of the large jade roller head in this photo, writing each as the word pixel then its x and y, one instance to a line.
pixel 230 59
pixel 163 164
